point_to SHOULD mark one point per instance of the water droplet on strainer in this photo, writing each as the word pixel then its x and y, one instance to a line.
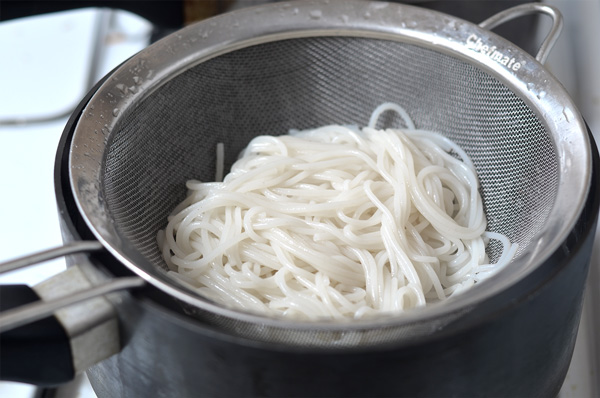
pixel 137 79
pixel 316 14
pixel 379 6
pixel 567 114
pixel 541 94
pixel 116 112
pixel 122 88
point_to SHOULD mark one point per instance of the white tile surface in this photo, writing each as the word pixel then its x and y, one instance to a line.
pixel 45 71
pixel 45 64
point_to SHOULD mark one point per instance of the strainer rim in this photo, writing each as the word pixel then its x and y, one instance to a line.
pixel 400 22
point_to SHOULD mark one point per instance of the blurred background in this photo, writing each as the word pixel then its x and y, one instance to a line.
pixel 53 52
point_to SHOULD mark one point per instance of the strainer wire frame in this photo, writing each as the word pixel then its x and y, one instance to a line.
pixel 436 31
pixel 413 25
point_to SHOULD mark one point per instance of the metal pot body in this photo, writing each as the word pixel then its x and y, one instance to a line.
pixel 517 344
pixel 524 350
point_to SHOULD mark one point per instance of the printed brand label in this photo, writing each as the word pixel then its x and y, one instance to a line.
pixel 474 42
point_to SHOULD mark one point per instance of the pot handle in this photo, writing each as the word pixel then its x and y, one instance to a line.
pixel 528 9
pixel 59 327
pixel 23 349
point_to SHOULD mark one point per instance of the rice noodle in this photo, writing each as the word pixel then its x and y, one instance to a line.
pixel 336 222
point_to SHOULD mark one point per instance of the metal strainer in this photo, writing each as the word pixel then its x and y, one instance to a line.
pixel 156 121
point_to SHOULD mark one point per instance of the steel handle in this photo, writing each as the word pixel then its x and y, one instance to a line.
pixel 34 311
pixel 60 319
pixel 27 313
pixel 528 9
pixel 83 246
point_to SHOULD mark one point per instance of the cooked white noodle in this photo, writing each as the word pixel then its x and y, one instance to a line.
pixel 336 222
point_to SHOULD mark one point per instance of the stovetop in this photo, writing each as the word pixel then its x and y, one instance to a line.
pixel 49 62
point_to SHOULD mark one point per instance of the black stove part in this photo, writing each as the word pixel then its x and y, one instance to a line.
pixel 164 13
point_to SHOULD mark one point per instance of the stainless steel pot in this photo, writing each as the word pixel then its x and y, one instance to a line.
pixel 513 335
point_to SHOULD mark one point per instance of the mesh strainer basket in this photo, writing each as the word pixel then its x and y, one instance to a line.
pixel 155 123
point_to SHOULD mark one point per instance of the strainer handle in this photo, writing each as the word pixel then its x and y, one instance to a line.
pixel 528 9
pixel 29 313
pixel 65 341
pixel 56 252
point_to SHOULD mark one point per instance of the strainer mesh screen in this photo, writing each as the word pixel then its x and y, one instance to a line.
pixel 270 88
